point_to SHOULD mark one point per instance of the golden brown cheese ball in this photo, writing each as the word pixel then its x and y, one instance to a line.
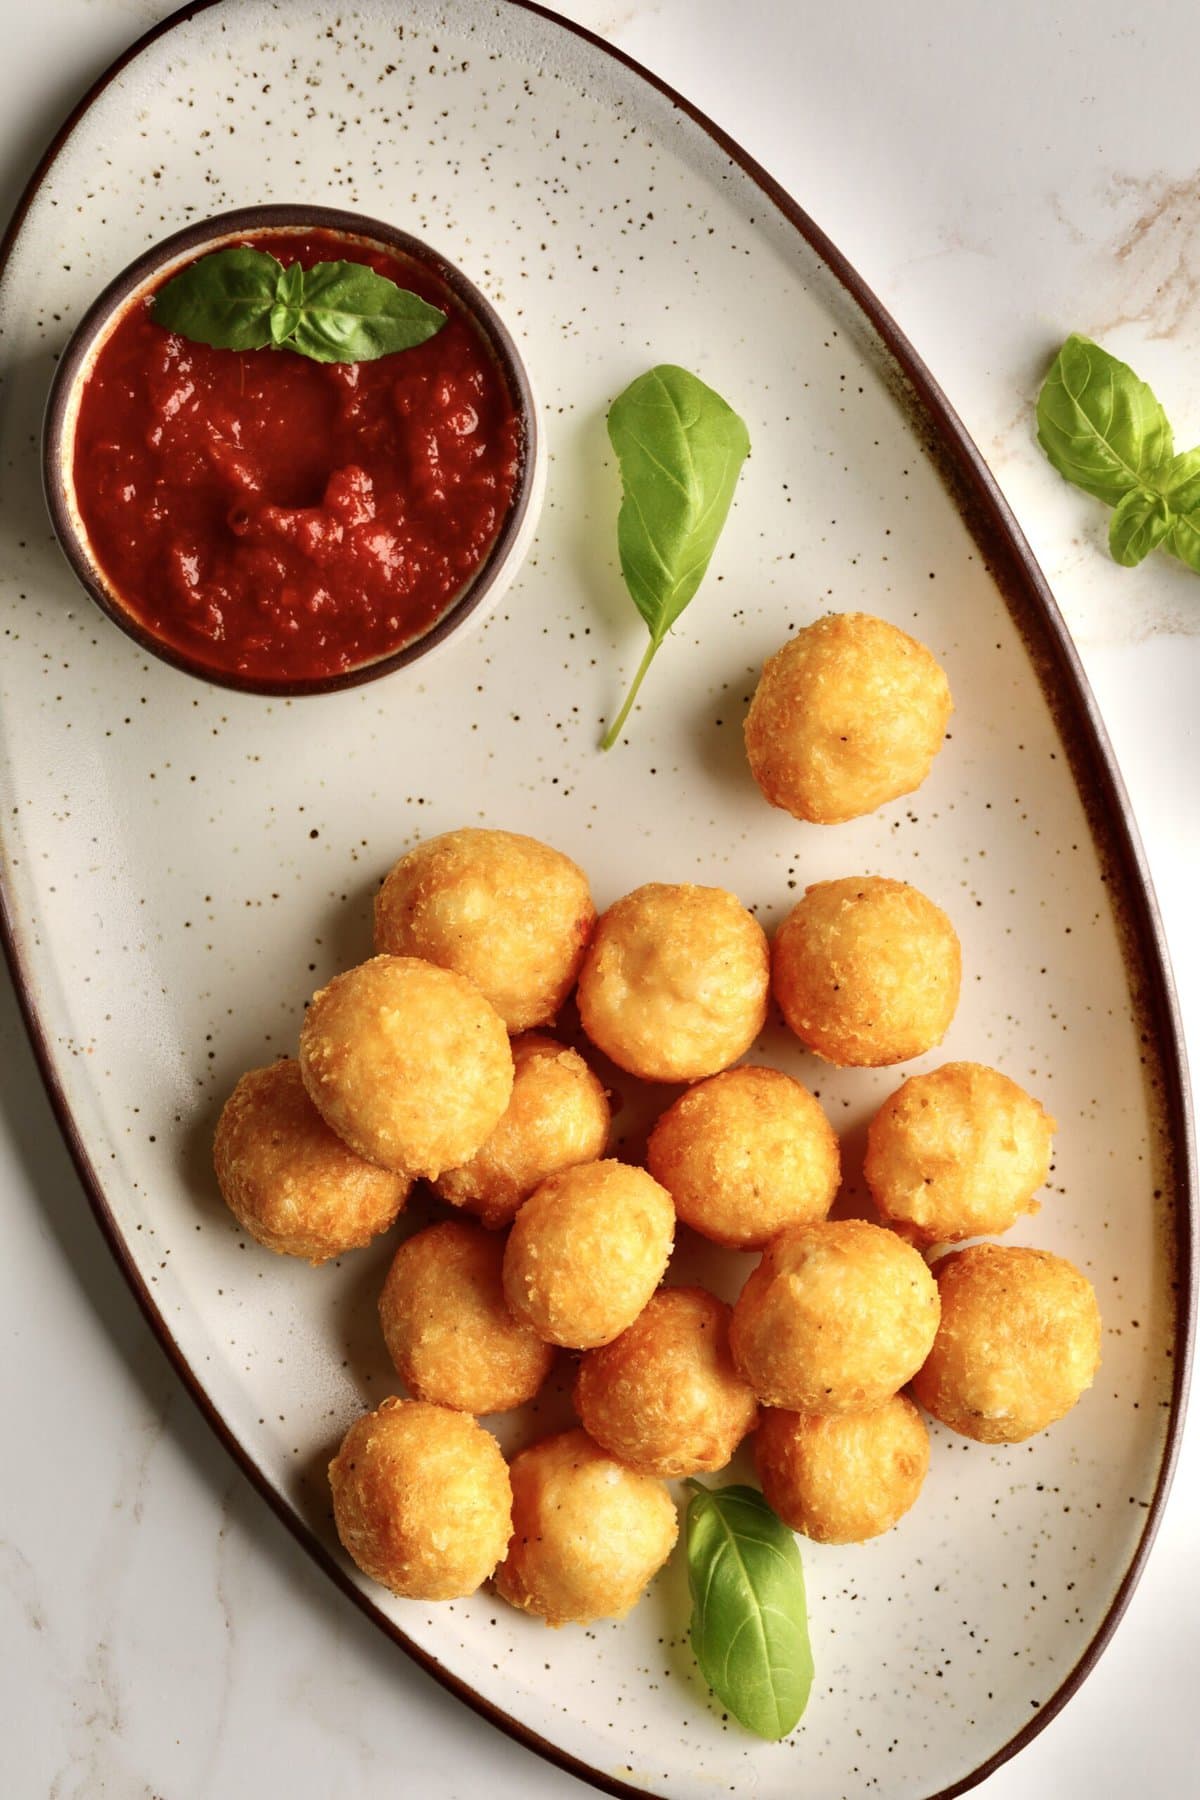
pixel 674 984
pixel 835 1319
pixel 586 1251
pixel 407 1062
pixel 289 1180
pixel 867 971
pixel 1019 1342
pixel 422 1499
pixel 665 1397
pixel 558 1116
pixel 957 1153
pixel 744 1154
pixel 588 1533
pixel 840 1478
pixel 510 914
pixel 447 1325
pixel 848 715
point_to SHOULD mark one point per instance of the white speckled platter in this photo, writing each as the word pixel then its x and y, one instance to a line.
pixel 182 865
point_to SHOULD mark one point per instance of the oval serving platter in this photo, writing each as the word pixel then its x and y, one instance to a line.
pixel 182 865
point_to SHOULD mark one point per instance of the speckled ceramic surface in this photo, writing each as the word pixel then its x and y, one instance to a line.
pixel 182 866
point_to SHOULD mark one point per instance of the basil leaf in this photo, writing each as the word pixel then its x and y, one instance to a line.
pixel 1100 426
pixel 1183 540
pixel 749 1621
pixel 1138 526
pixel 283 322
pixel 1179 481
pixel 1104 430
pixel 285 314
pixel 348 313
pixel 243 299
pixel 680 448
pixel 224 299
pixel 289 288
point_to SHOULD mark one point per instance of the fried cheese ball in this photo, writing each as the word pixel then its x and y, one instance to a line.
pixel 867 971
pixel 422 1499
pixel 1019 1342
pixel 588 1533
pixel 840 1478
pixel 407 1062
pixel 957 1153
pixel 510 914
pixel 558 1116
pixel 289 1180
pixel 586 1251
pixel 665 1397
pixel 835 1319
pixel 674 984
pixel 849 714
pixel 745 1153
pixel 448 1328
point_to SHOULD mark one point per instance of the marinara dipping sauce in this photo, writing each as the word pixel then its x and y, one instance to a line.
pixel 287 520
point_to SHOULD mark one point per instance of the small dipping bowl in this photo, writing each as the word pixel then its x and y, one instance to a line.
pixel 480 590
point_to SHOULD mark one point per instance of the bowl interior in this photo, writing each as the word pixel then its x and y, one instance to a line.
pixel 147 272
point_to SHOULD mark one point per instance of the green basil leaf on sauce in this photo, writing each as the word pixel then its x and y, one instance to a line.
pixel 224 299
pixel 749 1625
pixel 1100 426
pixel 680 448
pixel 285 314
pixel 244 299
pixel 348 313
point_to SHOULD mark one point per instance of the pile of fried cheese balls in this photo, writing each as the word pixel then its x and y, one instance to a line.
pixel 432 1061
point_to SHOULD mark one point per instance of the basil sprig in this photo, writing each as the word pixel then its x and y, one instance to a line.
pixel 680 448
pixel 244 299
pixel 1107 433
pixel 749 1620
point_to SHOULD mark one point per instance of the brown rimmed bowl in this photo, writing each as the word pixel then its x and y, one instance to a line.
pixel 478 594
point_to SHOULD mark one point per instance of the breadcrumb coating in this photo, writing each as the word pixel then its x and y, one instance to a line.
pixel 841 1478
pixel 867 971
pixel 958 1153
pixel 674 984
pixel 506 911
pixel 289 1180
pixel 586 1251
pixel 1018 1343
pixel 848 715
pixel 558 1116
pixel 422 1499
pixel 588 1533
pixel 408 1063
pixel 836 1318
pixel 744 1154
pixel 665 1397
pixel 447 1325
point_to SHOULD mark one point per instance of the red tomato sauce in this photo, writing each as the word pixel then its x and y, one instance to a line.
pixel 288 520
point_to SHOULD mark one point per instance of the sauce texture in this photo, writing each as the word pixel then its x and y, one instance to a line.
pixel 283 519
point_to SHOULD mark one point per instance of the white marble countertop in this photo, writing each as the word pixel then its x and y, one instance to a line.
pixel 1000 176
